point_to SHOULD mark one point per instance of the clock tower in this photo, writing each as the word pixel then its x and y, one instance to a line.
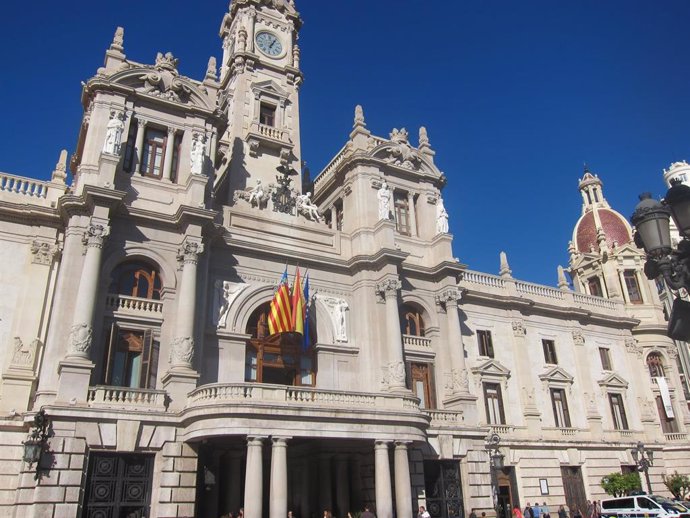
pixel 260 79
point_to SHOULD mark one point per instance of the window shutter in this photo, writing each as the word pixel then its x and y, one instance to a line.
pixel 566 412
pixel 432 387
pixel 500 403
pixel 408 376
pixel 146 357
pixel 111 351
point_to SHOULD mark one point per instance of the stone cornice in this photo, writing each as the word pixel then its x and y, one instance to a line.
pixel 21 212
pixel 527 307
pixel 185 215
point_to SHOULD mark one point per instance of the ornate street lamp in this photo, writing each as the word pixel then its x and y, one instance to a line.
pixel 644 459
pixel 496 463
pixel 651 219
pixel 36 441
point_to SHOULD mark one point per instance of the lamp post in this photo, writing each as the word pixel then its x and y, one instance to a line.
pixel 495 463
pixel 644 459
pixel 651 219
pixel 36 441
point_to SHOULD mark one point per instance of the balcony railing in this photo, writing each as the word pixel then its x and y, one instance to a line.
pixel 299 397
pixel 419 342
pixel 24 186
pixel 444 417
pixel 127 398
pixel 134 305
pixel 676 437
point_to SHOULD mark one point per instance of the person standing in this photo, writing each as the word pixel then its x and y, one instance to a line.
pixel 527 513
pixel 536 510
pixel 473 514
pixel 562 513
pixel 516 511
pixel 545 513
pixel 423 513
pixel 367 513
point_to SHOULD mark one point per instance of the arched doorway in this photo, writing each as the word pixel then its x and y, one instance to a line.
pixel 281 359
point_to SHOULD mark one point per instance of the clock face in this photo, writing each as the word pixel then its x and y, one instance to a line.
pixel 269 44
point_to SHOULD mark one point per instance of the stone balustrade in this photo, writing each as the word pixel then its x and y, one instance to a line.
pixel 502 429
pixel 126 398
pixel 302 397
pixel 539 290
pixel 444 417
pixel 676 437
pixel 483 279
pixel 270 132
pixel 23 186
pixel 133 305
pixel 332 165
pixel 418 342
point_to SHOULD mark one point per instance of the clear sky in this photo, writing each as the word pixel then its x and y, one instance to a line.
pixel 516 96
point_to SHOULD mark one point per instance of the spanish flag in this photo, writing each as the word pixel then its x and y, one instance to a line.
pixel 298 305
pixel 305 336
pixel 280 318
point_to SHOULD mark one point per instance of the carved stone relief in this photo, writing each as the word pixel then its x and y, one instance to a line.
pixel 337 310
pixel 42 252
pixel 80 337
pixel 226 293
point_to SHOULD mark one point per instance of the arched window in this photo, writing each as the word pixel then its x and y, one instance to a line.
pixel 282 359
pixel 655 363
pixel 412 322
pixel 136 279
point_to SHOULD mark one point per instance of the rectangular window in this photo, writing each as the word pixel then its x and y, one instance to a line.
pixel 132 358
pixel 486 346
pixel 595 287
pixel 419 379
pixel 632 286
pixel 494 404
pixel 668 425
pixel 561 416
pixel 154 151
pixel 402 213
pixel 267 114
pixel 620 421
pixel 130 153
pixel 549 347
pixel 339 215
pixel 605 356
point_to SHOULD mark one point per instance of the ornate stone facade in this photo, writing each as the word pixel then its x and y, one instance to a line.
pixel 147 341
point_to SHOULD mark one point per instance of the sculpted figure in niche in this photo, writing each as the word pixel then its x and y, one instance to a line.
pixel 384 196
pixel 113 134
pixel 227 293
pixel 197 153
pixel 441 217
pixel 307 208
pixel 340 322
pixel 257 195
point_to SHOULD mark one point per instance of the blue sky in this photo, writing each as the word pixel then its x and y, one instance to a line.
pixel 516 96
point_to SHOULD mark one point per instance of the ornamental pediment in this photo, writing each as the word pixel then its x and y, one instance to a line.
pixel 159 82
pixel 491 368
pixel 557 375
pixel 613 380
pixel 269 87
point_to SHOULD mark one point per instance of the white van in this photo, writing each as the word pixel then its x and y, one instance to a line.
pixel 642 506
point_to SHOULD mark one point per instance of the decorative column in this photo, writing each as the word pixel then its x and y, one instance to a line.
pixel 167 159
pixel 394 372
pixel 139 146
pixel 456 376
pixel 251 12
pixel 75 369
pixel 342 482
pixel 403 495
pixel 253 479
pixel 525 373
pixel 384 498
pixel 325 500
pixel 279 494
pixel 181 378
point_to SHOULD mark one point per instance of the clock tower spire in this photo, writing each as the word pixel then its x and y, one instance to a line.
pixel 260 79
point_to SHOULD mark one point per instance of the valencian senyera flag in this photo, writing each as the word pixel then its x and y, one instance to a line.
pixel 298 305
pixel 280 315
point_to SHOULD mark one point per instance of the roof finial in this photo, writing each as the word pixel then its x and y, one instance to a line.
pixel 359 117
pixel 505 270
pixel 211 69
pixel 423 138
pixel 60 172
pixel 562 281
pixel 118 40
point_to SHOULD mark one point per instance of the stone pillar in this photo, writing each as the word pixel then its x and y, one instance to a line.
pixel 525 372
pixel 403 494
pixel 459 381
pixel 305 494
pixel 75 370
pixel 250 30
pixel 342 483
pixel 395 369
pixel 412 210
pixel 181 378
pixel 167 159
pixel 279 493
pixel 139 146
pixel 253 479
pixel 325 496
pixel 384 498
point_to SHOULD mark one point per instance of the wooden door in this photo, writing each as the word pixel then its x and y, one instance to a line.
pixel 574 487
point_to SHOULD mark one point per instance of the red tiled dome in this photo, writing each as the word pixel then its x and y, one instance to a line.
pixel 614 227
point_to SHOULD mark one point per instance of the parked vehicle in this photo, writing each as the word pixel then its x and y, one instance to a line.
pixel 643 506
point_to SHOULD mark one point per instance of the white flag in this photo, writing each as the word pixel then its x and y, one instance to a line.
pixel 665 396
